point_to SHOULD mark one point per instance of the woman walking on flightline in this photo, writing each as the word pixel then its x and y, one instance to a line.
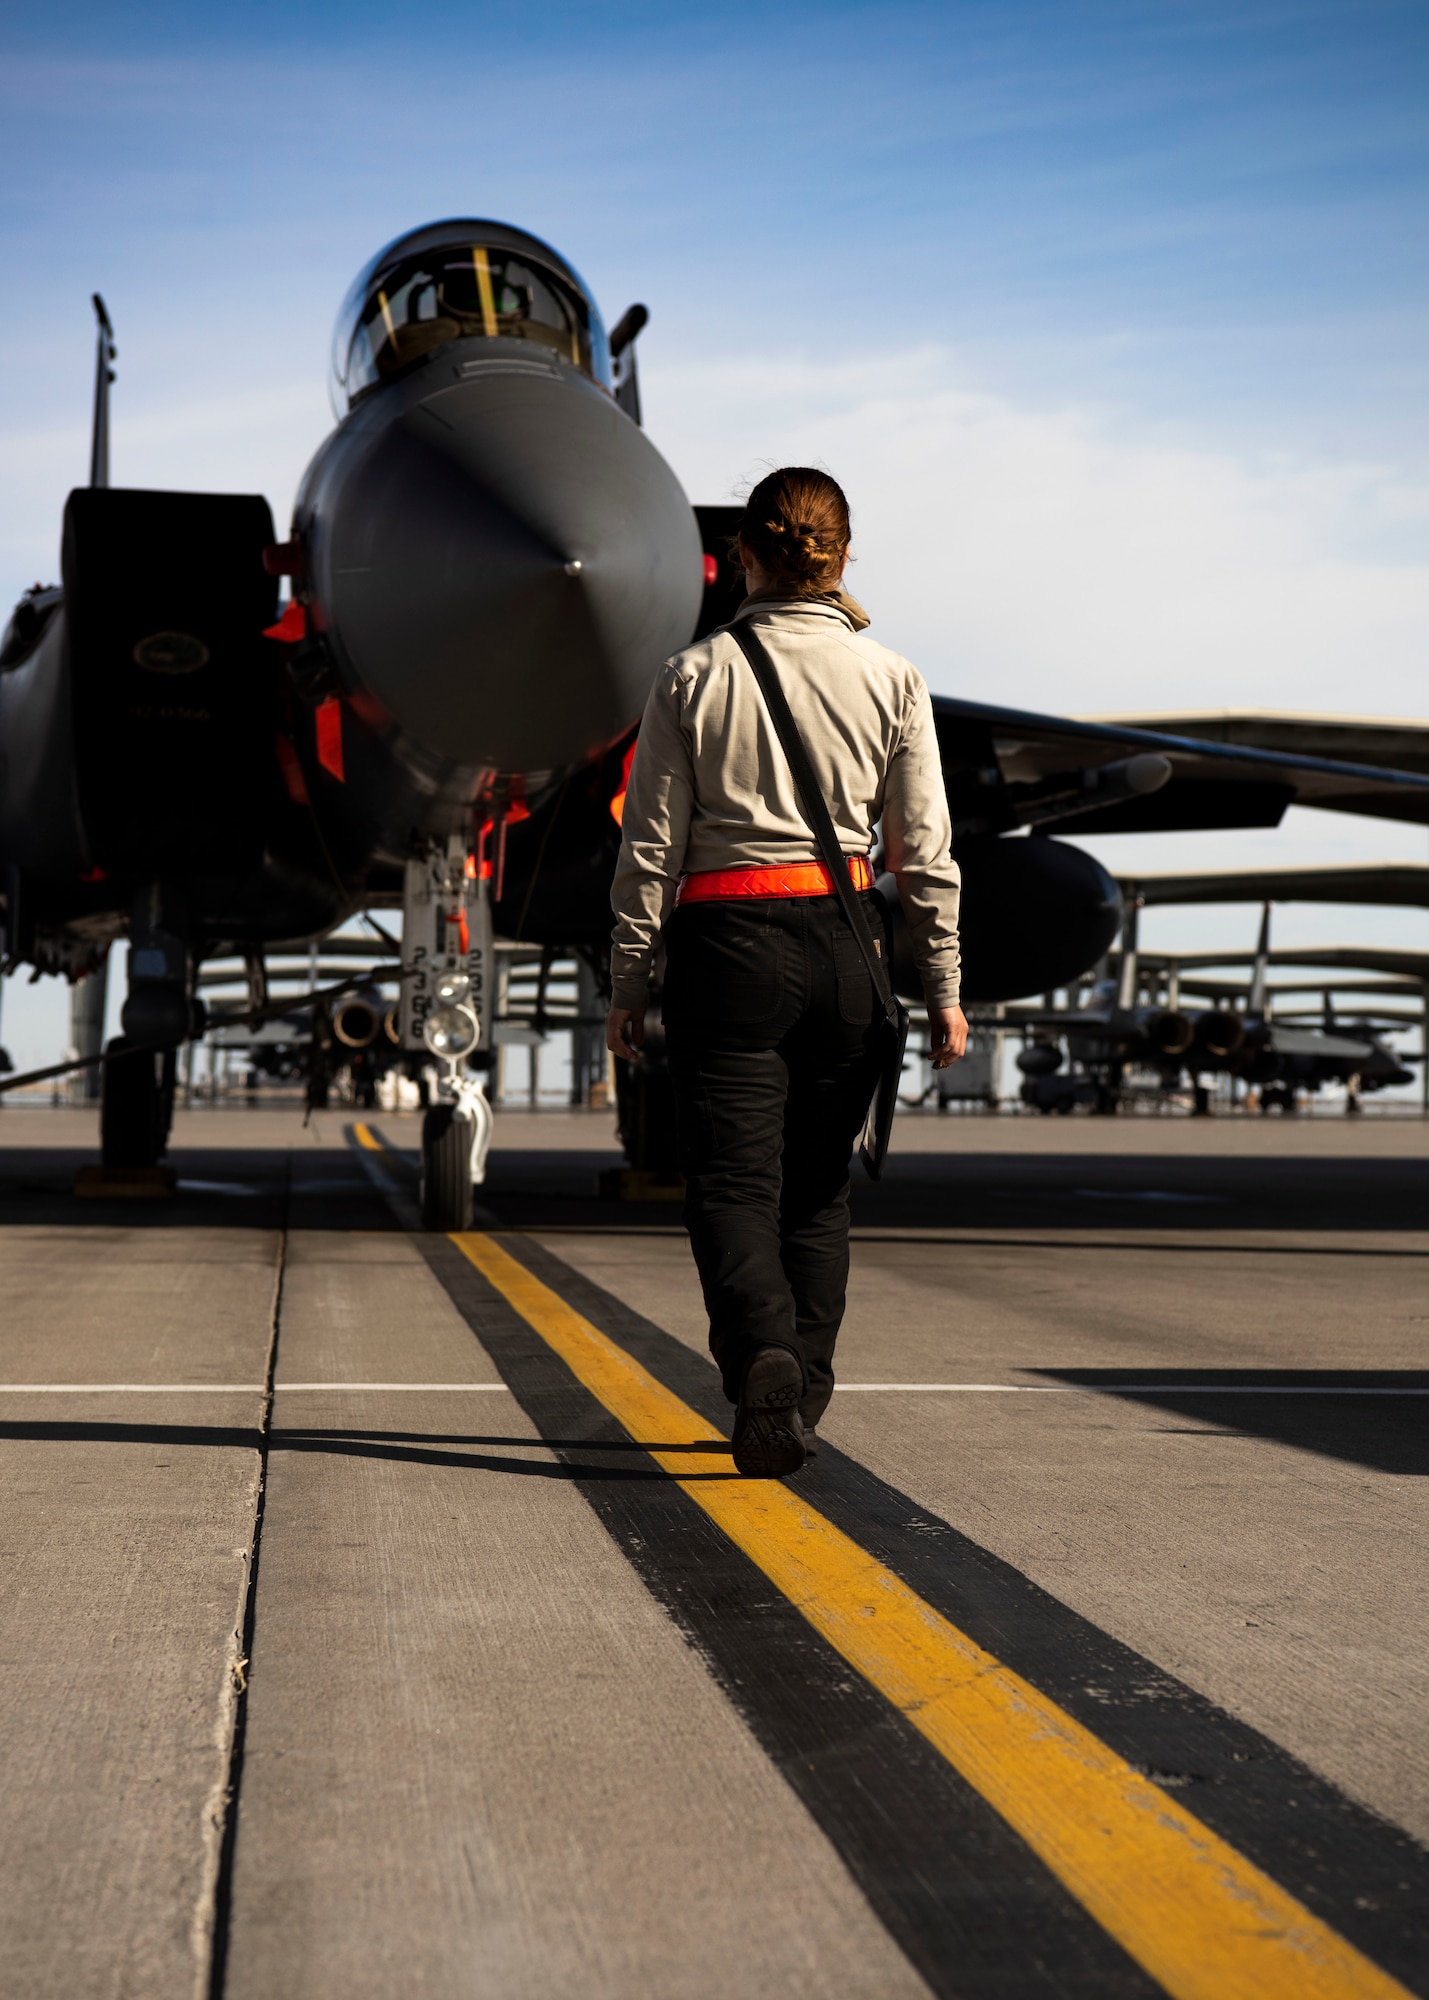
pixel 770 1011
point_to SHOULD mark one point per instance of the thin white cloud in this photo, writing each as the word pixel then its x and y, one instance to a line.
pixel 1054 558
pixel 1060 559
pixel 246 441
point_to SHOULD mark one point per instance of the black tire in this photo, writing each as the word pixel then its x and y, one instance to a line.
pixel 446 1169
pixel 136 1106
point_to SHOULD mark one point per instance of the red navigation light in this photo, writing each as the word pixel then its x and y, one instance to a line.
pixel 711 571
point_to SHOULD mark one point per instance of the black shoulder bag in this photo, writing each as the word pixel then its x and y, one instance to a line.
pixel 894 1027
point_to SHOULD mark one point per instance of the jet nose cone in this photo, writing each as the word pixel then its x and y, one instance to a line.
pixel 505 564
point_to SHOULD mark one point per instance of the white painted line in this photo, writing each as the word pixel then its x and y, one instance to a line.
pixel 955 1388
pixel 131 1388
pixel 233 1388
pixel 437 1388
pixel 1112 1389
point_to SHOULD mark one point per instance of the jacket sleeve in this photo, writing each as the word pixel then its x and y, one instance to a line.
pixel 918 841
pixel 659 799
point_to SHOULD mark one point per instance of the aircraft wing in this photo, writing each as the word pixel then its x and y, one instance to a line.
pixel 1006 767
pixel 1395 743
pixel 1237 989
pixel 1411 965
pixel 1401 883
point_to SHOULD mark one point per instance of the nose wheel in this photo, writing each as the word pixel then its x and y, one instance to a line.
pixel 455 1138
pixel 137 1106
pixel 447 993
pixel 446 1169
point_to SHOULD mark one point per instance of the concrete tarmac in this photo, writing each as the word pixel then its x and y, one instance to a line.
pixel 354 1644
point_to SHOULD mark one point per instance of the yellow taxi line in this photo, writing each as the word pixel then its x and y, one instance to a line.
pixel 1196 1914
pixel 368 1139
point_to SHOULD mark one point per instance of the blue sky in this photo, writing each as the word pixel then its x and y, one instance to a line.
pixel 1211 211
pixel 1115 317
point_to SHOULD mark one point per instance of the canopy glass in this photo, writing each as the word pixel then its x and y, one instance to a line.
pixel 405 307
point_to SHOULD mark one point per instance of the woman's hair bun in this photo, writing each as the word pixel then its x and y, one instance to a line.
pixel 796 524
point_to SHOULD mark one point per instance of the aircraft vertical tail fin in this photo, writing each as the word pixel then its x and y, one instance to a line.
pixel 105 352
pixel 623 336
pixel 1130 968
pixel 1256 999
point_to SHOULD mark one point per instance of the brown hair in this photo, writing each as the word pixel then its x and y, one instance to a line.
pixel 796 524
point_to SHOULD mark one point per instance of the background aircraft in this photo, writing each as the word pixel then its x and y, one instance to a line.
pixel 487 562
pixel 1117 1027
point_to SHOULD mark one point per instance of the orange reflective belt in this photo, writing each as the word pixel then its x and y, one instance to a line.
pixel 799 878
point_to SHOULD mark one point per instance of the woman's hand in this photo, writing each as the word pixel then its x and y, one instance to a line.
pixel 625 1031
pixel 947 1035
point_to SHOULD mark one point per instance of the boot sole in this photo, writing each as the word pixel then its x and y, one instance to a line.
pixel 769 1432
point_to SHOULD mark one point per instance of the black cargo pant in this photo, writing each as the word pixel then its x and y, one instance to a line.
pixel 772 1034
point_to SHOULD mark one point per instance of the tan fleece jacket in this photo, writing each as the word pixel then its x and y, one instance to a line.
pixel 710 787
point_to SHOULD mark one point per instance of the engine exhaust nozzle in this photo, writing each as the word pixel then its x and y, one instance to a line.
pixel 356 1024
pixel 1219 1033
pixel 1168 1030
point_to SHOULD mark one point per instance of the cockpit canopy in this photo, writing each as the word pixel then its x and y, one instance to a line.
pixel 461 280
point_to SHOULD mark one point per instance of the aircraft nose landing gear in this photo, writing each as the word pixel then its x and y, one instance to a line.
pixel 456 1132
pixel 446 996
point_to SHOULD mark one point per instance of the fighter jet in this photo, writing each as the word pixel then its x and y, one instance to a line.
pixel 1279 1057
pixel 1237 1036
pixel 487 563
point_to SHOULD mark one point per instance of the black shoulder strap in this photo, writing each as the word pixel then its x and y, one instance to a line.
pixel 815 810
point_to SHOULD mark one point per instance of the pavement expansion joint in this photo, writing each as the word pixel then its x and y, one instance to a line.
pixel 213 1916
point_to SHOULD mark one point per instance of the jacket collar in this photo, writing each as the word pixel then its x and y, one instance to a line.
pixel 836 604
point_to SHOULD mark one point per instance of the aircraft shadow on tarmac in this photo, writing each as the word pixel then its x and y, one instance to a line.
pixel 1172 1193
pixel 216 1190
pixel 1180 1193
pixel 1384 1432
pixel 1175 1196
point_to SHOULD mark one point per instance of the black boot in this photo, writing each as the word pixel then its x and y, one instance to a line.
pixel 768 1438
